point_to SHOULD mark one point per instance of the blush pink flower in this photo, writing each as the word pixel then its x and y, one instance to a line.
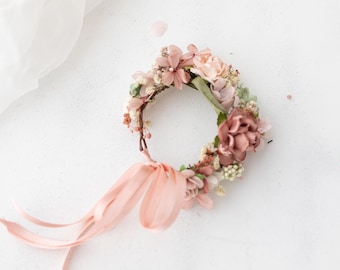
pixel 210 68
pixel 237 134
pixel 174 72
pixel 193 55
pixel 223 94
pixel 197 189
pixel 134 104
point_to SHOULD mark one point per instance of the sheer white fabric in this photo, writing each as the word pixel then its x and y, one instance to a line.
pixel 35 37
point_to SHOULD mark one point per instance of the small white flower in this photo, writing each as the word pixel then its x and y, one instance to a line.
pixel 157 79
pixel 150 89
pixel 133 115
pixel 216 162
pixel 203 153
pixel 232 171
pixel 213 181
pixel 210 148
pixel 220 191
pixel 140 80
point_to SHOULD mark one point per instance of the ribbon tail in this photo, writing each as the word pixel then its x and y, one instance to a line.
pixel 108 211
pixel 164 199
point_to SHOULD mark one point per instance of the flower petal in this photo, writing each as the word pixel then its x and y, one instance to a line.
pixel 226 160
pixel 168 78
pixel 177 81
pixel 162 61
pixel 134 104
pixel 183 76
pixel 241 142
pixel 205 201
pixel 195 180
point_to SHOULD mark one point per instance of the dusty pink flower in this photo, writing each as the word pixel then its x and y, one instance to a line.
pixel 174 72
pixel 196 190
pixel 238 134
pixel 206 170
pixel 224 94
pixel 193 55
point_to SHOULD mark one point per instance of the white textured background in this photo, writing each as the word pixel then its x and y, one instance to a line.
pixel 63 145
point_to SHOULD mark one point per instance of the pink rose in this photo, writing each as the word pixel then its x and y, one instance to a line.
pixel 210 68
pixel 238 134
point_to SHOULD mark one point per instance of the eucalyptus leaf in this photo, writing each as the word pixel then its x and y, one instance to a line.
pixel 243 94
pixel 201 85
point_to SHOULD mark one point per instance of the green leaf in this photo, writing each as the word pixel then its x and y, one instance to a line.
pixel 220 119
pixel 182 168
pixel 200 176
pixel 202 86
pixel 216 141
pixel 243 94
pixel 135 89
pixel 253 98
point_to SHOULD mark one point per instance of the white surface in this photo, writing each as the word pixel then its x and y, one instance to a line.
pixel 36 37
pixel 63 145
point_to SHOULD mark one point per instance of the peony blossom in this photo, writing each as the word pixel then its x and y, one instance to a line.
pixel 237 134
pixel 174 73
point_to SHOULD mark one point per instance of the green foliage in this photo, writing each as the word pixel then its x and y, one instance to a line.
pixel 220 119
pixel 135 89
pixel 243 94
pixel 200 176
pixel 216 141
pixel 182 168
pixel 202 86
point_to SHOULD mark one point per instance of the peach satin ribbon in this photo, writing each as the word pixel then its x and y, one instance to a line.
pixel 164 189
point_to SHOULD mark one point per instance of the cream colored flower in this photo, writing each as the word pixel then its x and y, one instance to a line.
pixel 220 191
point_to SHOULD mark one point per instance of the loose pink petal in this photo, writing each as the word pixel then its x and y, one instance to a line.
pixel 158 28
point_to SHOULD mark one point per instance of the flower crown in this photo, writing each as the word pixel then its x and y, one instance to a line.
pixel 240 128
pixel 166 191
